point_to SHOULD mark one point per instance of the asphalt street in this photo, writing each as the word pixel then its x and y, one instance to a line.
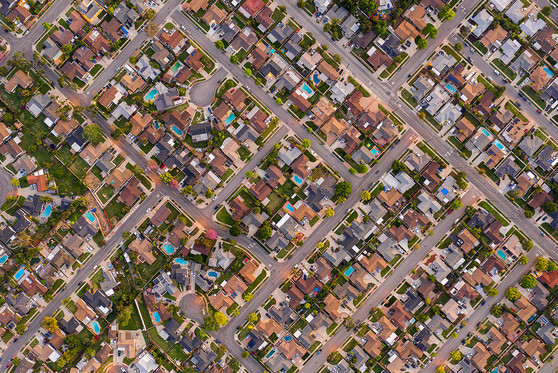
pixel 203 93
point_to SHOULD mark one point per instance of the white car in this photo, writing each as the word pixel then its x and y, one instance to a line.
pixel 497 72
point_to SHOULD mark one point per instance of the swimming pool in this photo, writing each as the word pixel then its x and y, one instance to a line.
pixel 19 273
pixel 212 274
pixel 297 179
pixel 177 130
pixel 176 67
pixel 270 353
pixel 485 131
pixel 230 118
pixel 156 125
pixel 3 258
pixel 47 212
pixel 180 261
pixel 169 249
pixel 501 254
pixel 348 271
pixel 374 151
pixel 450 88
pixel 288 207
pixel 316 78
pixel 444 191
pixel 96 327
pixel 271 51
pixel 156 317
pixel 90 216
pixel 287 338
pixel 499 144
pixel 548 72
pixel 151 95
pixel 307 89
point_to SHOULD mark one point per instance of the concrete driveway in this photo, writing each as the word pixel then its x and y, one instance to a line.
pixel 191 306
pixel 202 93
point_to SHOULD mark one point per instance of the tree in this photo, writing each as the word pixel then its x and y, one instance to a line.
pixel 265 231
pixel 446 13
pixel 497 310
pixel 219 44
pixel 454 335
pixel 366 196
pixel 527 245
pixel 124 316
pixel 440 370
pixel 352 171
pixel 174 184
pixel 421 42
pixel 253 317
pixel 458 47
pixel 306 143
pixel 541 264
pixel 329 212
pixel 247 296
pixel 430 31
pixel 94 134
pixel 166 177
pixel 50 324
pixel 220 318
pixel 14 182
pixel 343 189
pixel 549 207
pixel 456 355
pixel 546 10
pixel 151 29
pixel 528 282
pixel 523 260
pixel 249 174
pixel 513 294
pixel 457 204
pixel 234 59
pixel 248 72
pixel 337 58
pixel 279 101
pixel 245 354
pixel 380 27
pixel 552 266
pixel 491 292
pixel 47 25
pixel 348 322
pixel 235 230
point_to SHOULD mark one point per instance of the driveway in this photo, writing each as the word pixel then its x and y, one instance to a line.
pixel 202 93
pixel 191 306
pixel 118 369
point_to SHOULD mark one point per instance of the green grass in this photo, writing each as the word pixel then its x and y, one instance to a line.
pixel 116 210
pixel 224 217
pixel 79 167
pixel 504 68
pixel 511 107
pixel 135 322
pixel 534 96
pixel 105 193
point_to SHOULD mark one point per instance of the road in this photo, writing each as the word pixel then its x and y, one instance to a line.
pixel 385 92
pixel 389 284
pixel 203 93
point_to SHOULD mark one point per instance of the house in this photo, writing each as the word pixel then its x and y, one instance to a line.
pixel 405 30
pixel 494 37
pixel 442 63
pixel 350 26
pixel 378 59
pixel 21 79
pixel 280 34
pixel 436 99
pixel 482 20
pixel 19 14
pixel 300 102
pixel 341 90
pixel 251 7
pixel 532 25
pixel 244 40
pixel 523 63
pixel 539 77
pixel 363 40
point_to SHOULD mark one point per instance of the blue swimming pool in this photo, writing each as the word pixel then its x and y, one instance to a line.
pixel 151 95
pixel 501 254
pixel 270 353
pixel 156 125
pixel 19 273
pixel 374 151
pixel 230 118
pixel 450 88
pixel 47 212
pixel 177 130
pixel 271 51
pixel 3 259
pixel 348 271
pixel 156 317
pixel 307 89
pixel 181 261
pixel 169 249
pixel 212 274
pixel 288 207
pixel 444 191
pixel 548 72
pixel 287 338
pixel 96 327
pixel 176 67
pixel 499 144
pixel 485 131
pixel 90 216
pixel 297 179
pixel 316 77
